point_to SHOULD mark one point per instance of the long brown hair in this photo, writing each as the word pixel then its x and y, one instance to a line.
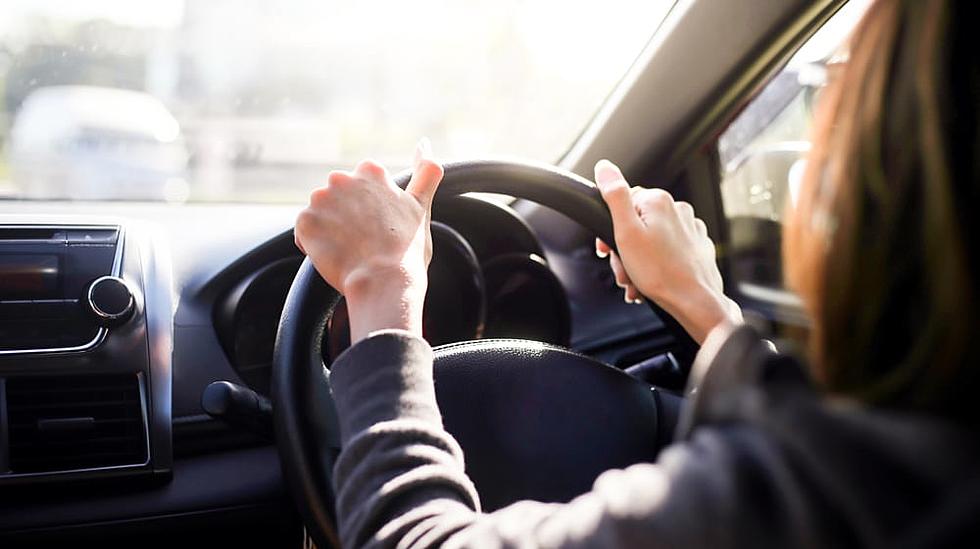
pixel 883 244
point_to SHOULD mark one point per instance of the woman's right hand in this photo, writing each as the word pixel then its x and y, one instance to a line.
pixel 665 254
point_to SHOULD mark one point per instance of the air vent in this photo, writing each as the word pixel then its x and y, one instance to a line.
pixel 75 422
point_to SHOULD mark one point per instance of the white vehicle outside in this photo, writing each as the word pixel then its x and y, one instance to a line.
pixel 84 142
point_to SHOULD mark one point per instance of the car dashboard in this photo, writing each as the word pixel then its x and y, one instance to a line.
pixel 106 438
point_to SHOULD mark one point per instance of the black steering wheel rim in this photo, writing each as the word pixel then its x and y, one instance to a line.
pixel 305 420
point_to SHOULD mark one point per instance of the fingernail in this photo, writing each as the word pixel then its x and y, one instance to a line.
pixel 601 254
pixel 423 149
pixel 637 301
pixel 606 172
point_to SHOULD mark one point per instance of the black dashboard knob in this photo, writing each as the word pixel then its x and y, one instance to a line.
pixel 110 298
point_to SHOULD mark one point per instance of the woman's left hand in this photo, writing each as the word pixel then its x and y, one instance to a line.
pixel 370 240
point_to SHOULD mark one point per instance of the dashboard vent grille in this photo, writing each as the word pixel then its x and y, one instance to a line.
pixel 75 422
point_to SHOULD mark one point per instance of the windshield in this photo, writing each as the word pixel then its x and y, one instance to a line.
pixel 249 100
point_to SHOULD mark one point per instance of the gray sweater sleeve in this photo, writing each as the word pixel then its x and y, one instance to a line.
pixel 400 479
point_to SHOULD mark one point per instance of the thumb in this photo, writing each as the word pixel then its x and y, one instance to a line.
pixel 616 192
pixel 427 175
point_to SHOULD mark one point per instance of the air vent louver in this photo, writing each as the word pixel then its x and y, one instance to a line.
pixel 75 422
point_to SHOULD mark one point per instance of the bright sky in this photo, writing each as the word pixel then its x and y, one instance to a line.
pixel 158 13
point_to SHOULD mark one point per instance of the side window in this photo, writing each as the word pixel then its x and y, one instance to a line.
pixel 763 153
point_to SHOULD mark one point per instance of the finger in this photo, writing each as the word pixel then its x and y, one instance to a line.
pixel 601 248
pixel 653 203
pixel 616 192
pixel 371 170
pixel 335 179
pixel 684 209
pixel 298 243
pixel 633 295
pixel 302 222
pixel 709 246
pixel 701 227
pixel 427 175
pixel 619 271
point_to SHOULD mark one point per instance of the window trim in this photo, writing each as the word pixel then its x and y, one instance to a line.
pixel 759 72
pixel 776 304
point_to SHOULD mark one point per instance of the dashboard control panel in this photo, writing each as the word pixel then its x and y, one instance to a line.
pixel 85 342
pixel 49 276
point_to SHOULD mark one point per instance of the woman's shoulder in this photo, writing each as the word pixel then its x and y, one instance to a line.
pixel 737 372
pixel 870 472
pixel 740 378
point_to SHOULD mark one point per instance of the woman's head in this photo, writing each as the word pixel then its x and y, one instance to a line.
pixel 884 245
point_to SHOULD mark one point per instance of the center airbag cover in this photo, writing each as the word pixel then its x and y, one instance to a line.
pixel 540 422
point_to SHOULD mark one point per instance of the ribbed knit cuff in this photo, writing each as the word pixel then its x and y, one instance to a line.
pixel 385 376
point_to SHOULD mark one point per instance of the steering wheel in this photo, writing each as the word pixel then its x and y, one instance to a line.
pixel 535 421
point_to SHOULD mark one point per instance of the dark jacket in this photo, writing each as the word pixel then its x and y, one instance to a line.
pixel 761 460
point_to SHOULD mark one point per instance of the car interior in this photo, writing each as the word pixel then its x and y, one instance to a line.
pixel 161 363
